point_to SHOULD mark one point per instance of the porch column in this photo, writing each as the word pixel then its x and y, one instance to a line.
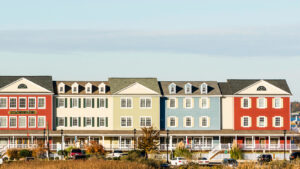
pixel 170 142
pixel 220 144
pixel 269 143
pixel 32 140
pixel 253 143
pixel 63 142
pixel 103 141
pixel 120 138
pixel 89 140
pixel 186 140
pixel 202 142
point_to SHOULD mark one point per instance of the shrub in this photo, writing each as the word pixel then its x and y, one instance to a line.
pixel 12 154
pixel 95 148
pixel 181 151
pixel 236 152
pixel 62 152
pixel 134 155
pixel 25 153
pixel 68 150
pixel 56 158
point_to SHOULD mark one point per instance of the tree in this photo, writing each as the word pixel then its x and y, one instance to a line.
pixel 95 148
pixel 181 151
pixel 149 141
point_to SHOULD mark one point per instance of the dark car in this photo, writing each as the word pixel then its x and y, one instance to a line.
pixel 76 152
pixel 230 162
pixel 294 156
pixel 264 158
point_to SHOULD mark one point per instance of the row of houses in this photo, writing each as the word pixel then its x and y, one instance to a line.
pixel 205 115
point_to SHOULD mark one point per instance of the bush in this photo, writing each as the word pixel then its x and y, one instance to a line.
pixel 13 154
pixel 62 152
pixel 95 148
pixel 56 158
pixel 151 162
pixel 182 152
pixel 68 150
pixel 25 153
pixel 236 153
pixel 134 155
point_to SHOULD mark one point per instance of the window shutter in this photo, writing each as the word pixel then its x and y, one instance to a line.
pixel 281 121
pixel 93 102
pixel 79 102
pixel 281 102
pixel 106 103
pixel 79 121
pixel 56 122
pixel 184 122
pixel 98 121
pixel 242 121
pixel 250 121
pixel 208 121
pixel 93 122
pixel 98 102
pixel 71 102
pixel 66 102
pixel 176 118
pixel 192 121
pixel 84 103
pixel 266 122
pixel 200 121
pixel 71 121
pixel 208 102
pixel 168 122
pixel 56 102
pixel 200 103
pixel 66 121
pixel 250 102
pixel 84 122
pixel 106 121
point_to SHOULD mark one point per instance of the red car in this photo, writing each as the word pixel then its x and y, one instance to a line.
pixel 75 152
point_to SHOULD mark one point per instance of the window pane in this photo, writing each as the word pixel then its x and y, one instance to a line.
pixel 41 121
pixel 3 102
pixel 123 121
pixel 261 102
pixel 3 121
pixel 128 121
pixel 246 121
pixel 61 102
pixel 143 123
pixel 261 121
pixel 41 103
pixel 148 102
pixel 204 121
pixel 277 102
pixel 188 103
pixel 143 104
pixel 172 103
pixel 88 102
pixel 13 102
pixel 75 121
pixel 22 103
pixel 61 121
pixel 31 122
pixel 74 102
pixel 31 102
pixel 128 102
pixel 172 122
pixel 22 121
pixel 246 103
pixel 102 123
pixel 13 121
pixel 188 122
pixel 277 122
pixel 102 102
pixel 204 103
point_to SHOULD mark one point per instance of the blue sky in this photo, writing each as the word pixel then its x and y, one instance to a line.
pixel 170 39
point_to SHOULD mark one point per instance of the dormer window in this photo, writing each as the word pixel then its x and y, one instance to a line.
pixel 61 88
pixel 203 88
pixel 261 88
pixel 188 88
pixel 75 87
pixel 172 88
pixel 22 86
pixel 102 88
pixel 88 88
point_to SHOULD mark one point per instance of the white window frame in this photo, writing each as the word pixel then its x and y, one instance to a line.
pixel 34 103
pixel 207 100
pixel 265 121
pixel 5 103
pixel 186 87
pixel 205 87
pixel 265 103
pixel 6 119
pixel 186 121
pixel 102 85
pixel 280 102
pixel 280 121
pixel 16 102
pixel 14 117
pixel 145 121
pixel 25 122
pixel 25 102
pixel 249 102
pixel 104 102
pixel 171 87
pixel 61 85
pixel 34 121
pixel 103 122
pixel 86 119
pixel 206 121
pixel 44 122
pixel 77 99
pixel 75 86
pixel 61 106
pixel 126 117
pixel 90 86
pixel 126 98
pixel 38 104
pixel 63 119
pixel 145 100
pixel 190 104
pixel 249 121
pixel 174 121
pixel 86 101
pixel 77 118
pixel 175 100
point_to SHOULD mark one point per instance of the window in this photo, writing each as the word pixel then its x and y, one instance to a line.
pixel 88 88
pixel 3 103
pixel 145 103
pixel 261 103
pixel 22 86
pixel 204 122
pixel 41 121
pixel 203 88
pixel 188 102
pixel 188 88
pixel 172 88
pixel 102 102
pixel 31 122
pixel 126 121
pixel 172 121
pixel 12 121
pixel 41 103
pixel 188 122
pixel 74 102
pixel 88 102
pixel 246 121
pixel 61 102
pixel 61 88
pixel 204 103
pixel 22 121
pixel 3 122
pixel 31 102
pixel 12 102
pixel 102 88
pixel 172 103
pixel 88 121
pixel 261 88
pixel 245 102
pixel 126 102
pixel 145 122
pixel 262 122
pixel 22 102
pixel 74 89
pixel 277 103
pixel 277 121
pixel 102 121
pixel 61 121
pixel 75 121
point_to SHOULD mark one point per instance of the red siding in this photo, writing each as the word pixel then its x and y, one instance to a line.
pixel 47 112
pixel 254 112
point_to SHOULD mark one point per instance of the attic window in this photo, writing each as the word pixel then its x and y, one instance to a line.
pixel 22 86
pixel 203 88
pixel 102 88
pixel 188 88
pixel 88 89
pixel 172 88
pixel 261 88
pixel 74 89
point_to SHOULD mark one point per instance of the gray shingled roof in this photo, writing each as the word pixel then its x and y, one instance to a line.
pixel 81 85
pixel 234 85
pixel 117 84
pixel 213 88
pixel 43 81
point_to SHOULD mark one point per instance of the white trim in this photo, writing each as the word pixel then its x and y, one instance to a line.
pixel 265 121
pixel 34 121
pixel 16 102
pixel 145 121
pixel 146 102
pixel 249 102
pixel 274 103
pixel 169 102
pixel 185 117
pixel 170 121
pixel 75 98
pixel 61 84
pixel 64 119
pixel 201 120
pixel 25 122
pixel 186 86
pixel 25 102
pixel 75 85
pixel 86 122
pixel 44 122
pixel 249 121
pixel 192 102
pixel 90 86
pixel 203 86
pixel 34 103
pixel 16 121
pixel 44 103
pixel 77 121
pixel 265 103
pixel 274 121
pixel 171 86
pixel 100 86
pixel 7 122
pixel 126 98
pixel 6 102
pixel 133 85
pixel 126 121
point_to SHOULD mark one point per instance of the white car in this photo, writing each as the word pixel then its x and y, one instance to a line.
pixel 178 161
pixel 116 153
pixel 1 161
pixel 203 161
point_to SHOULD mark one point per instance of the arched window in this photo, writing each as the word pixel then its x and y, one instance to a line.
pixel 188 88
pixel 22 86
pixel 261 88
pixel 203 88
pixel 172 88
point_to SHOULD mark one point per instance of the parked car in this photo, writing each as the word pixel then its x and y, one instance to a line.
pixel 1 161
pixel 264 158
pixel 75 152
pixel 116 154
pixel 294 156
pixel 230 162
pixel 178 161
pixel 203 161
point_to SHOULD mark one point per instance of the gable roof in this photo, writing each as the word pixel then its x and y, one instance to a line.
pixel 81 87
pixel 117 84
pixel 212 89
pixel 43 81
pixel 234 85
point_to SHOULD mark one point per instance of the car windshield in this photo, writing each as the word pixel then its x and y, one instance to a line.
pixel 174 159
pixel 202 158
pixel 118 151
pixel 181 158
pixel 76 151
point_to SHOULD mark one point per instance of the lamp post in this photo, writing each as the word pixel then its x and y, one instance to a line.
pixel 44 137
pixel 284 133
pixel 62 140
pixel 167 146
pixel 134 132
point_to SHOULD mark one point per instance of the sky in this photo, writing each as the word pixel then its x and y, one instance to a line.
pixel 169 39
